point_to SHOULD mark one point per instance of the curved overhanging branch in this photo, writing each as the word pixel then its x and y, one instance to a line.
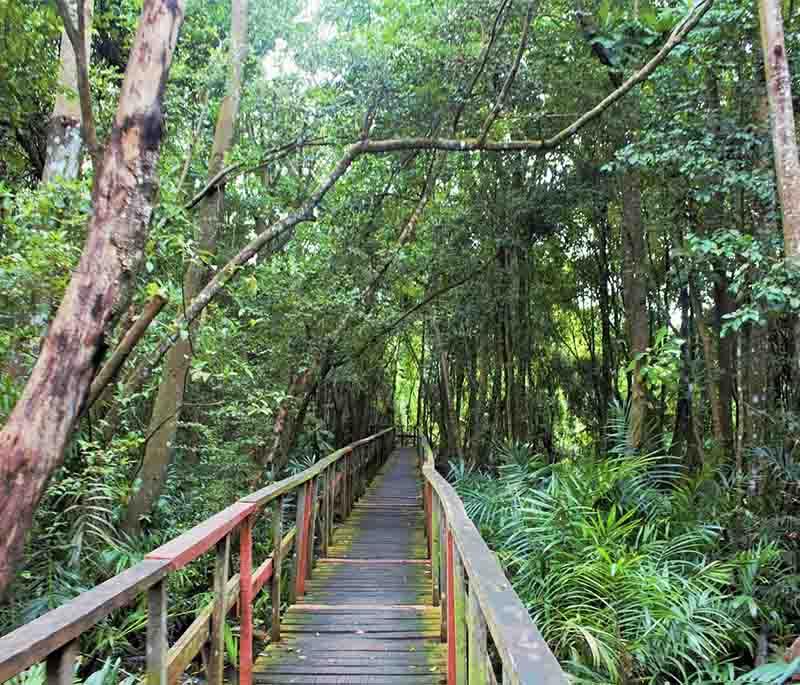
pixel 282 228
pixel 545 144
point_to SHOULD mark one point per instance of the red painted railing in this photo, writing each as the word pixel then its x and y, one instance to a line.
pixel 333 483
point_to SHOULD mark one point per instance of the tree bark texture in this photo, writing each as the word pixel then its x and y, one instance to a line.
pixel 64 139
pixel 33 441
pixel 168 404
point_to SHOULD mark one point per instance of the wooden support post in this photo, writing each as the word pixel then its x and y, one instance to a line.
pixel 478 652
pixel 277 537
pixel 348 479
pixel 459 614
pixel 426 503
pixel 157 648
pixel 61 664
pixel 436 552
pixel 325 479
pixel 451 611
pixel 216 661
pixel 299 574
pixel 313 513
pixel 246 602
pixel 332 503
pixel 443 527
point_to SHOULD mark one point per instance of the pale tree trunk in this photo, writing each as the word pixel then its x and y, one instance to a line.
pixel 33 440
pixel 172 388
pixel 784 141
pixel 64 140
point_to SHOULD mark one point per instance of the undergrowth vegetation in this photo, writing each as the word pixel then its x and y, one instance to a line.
pixel 638 571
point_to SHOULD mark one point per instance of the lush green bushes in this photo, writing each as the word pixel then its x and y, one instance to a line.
pixel 635 570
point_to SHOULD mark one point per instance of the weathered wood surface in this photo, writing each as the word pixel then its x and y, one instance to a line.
pixel 526 656
pixel 365 616
pixel 32 642
pixel 269 493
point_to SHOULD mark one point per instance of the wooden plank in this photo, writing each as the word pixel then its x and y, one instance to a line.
pixel 477 649
pixel 31 643
pixel 277 516
pixel 200 539
pixel 436 552
pixel 188 646
pixel 451 611
pixel 157 648
pixel 300 547
pixel 522 648
pixel 216 662
pixel 460 618
pixel 313 501
pixel 246 601
pixel 60 667
pixel 265 495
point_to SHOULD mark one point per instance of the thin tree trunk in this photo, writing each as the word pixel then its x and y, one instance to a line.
pixel 64 151
pixel 635 284
pixel 167 408
pixel 33 441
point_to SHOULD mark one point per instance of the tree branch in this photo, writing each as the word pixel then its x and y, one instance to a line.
pixel 78 41
pixel 501 98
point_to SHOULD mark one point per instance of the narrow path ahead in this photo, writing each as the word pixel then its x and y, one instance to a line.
pixel 366 616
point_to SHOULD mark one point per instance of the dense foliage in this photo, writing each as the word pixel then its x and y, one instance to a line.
pixel 633 276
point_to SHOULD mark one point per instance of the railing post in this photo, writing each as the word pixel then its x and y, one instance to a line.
pixel 426 503
pixel 478 652
pixel 313 502
pixel 436 552
pixel 445 604
pixel 459 615
pixel 61 664
pixel 246 601
pixel 216 662
pixel 299 575
pixel 325 484
pixel 157 648
pixel 277 540
pixel 451 611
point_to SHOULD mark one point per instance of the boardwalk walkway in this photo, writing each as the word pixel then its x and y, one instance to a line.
pixel 366 616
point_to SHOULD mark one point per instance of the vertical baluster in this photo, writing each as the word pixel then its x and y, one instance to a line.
pixel 326 511
pixel 216 662
pixel 157 648
pixel 451 610
pixel 443 569
pixel 61 664
pixel 478 652
pixel 348 478
pixel 459 614
pixel 426 502
pixel 277 538
pixel 436 551
pixel 313 507
pixel 246 601
pixel 299 573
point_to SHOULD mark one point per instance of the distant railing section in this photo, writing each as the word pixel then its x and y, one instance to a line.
pixel 478 602
pixel 333 483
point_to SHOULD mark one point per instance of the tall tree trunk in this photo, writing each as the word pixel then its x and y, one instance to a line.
pixel 634 281
pixel 64 141
pixel 33 440
pixel 784 141
pixel 169 399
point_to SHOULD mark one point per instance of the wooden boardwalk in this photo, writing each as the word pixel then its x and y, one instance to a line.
pixel 366 616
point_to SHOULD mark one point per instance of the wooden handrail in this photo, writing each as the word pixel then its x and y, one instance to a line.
pixel 54 636
pixel 458 550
